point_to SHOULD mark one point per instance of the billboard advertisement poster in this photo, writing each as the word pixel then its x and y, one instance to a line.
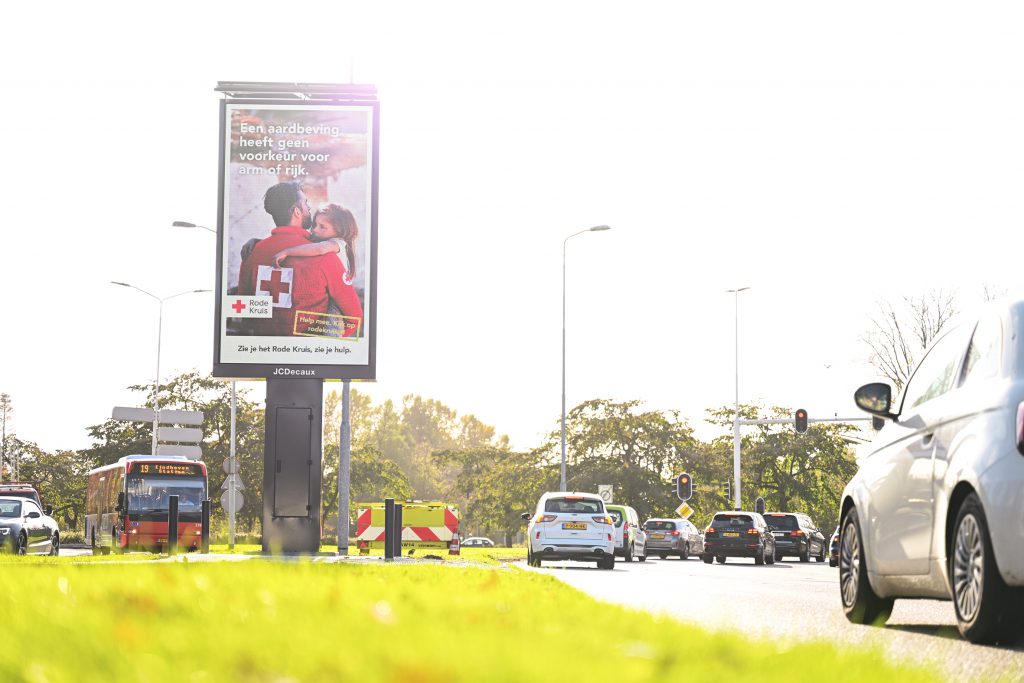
pixel 297 240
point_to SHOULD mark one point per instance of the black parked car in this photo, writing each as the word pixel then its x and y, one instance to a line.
pixel 25 529
pixel 796 535
pixel 738 534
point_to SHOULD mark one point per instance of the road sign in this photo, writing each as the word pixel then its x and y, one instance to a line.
pixel 172 417
pixel 605 491
pixel 192 452
pixel 684 511
pixel 230 466
pixel 227 483
pixel 180 434
pixel 225 501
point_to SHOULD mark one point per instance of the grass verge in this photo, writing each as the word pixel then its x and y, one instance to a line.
pixel 299 621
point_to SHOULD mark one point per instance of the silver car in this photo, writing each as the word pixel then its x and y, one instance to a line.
pixel 673 537
pixel 935 509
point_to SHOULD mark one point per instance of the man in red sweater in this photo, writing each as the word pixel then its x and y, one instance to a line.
pixel 302 290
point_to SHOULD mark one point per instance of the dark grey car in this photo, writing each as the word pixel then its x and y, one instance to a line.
pixel 25 529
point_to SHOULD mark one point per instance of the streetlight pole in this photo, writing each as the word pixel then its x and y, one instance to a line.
pixel 736 414
pixel 596 228
pixel 234 411
pixel 159 335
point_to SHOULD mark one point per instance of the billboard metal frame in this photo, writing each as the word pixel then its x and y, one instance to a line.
pixel 310 94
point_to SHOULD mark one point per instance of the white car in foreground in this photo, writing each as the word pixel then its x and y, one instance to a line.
pixel 571 526
pixel 936 509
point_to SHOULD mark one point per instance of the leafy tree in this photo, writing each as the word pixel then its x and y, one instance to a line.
pixel 493 486
pixel 636 451
pixel 372 476
pixel 61 478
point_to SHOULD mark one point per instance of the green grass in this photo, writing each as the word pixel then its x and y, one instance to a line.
pixel 300 621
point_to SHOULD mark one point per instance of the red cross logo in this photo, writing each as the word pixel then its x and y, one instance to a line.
pixel 274 286
pixel 238 306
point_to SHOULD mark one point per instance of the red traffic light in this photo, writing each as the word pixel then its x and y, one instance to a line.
pixel 684 486
pixel 800 420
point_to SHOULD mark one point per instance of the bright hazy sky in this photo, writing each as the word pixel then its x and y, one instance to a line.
pixel 828 156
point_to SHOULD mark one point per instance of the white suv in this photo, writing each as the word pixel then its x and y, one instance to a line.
pixel 571 526
pixel 935 509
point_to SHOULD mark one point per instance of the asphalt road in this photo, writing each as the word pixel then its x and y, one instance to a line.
pixel 792 600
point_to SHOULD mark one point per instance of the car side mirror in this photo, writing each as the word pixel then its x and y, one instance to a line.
pixel 33 515
pixel 525 516
pixel 875 398
pixel 48 510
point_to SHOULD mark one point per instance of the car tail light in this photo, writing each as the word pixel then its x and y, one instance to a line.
pixel 675 533
pixel 1020 428
pixel 752 531
pixel 602 519
pixel 710 530
pixel 625 526
pixel 796 533
pixel 544 518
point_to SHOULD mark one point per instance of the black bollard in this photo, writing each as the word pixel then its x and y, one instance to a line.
pixel 389 529
pixel 205 538
pixel 172 525
pixel 398 530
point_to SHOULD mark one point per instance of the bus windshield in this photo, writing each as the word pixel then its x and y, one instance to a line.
pixel 151 494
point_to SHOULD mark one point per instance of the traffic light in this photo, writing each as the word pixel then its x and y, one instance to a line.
pixel 800 419
pixel 727 489
pixel 759 506
pixel 684 486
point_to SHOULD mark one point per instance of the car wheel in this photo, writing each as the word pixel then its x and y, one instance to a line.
pixel 769 558
pixel 987 611
pixel 642 558
pixel 685 555
pixel 55 545
pixel 778 556
pixel 720 559
pixel 860 603
pixel 628 553
pixel 607 563
pixel 21 545
pixel 759 557
pixel 663 555
pixel 833 563
pixel 821 554
pixel 708 559
pixel 805 556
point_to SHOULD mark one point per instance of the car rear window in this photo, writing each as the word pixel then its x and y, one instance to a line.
pixel 781 522
pixel 578 505
pixel 616 516
pixel 661 526
pixel 743 521
pixel 10 508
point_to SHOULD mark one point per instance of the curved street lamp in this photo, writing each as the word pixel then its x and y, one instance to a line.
pixel 596 228
pixel 159 334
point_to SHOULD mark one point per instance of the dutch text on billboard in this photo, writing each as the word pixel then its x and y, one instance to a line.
pixel 297 239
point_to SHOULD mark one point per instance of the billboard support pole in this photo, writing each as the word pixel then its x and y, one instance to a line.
pixel 231 480
pixel 344 462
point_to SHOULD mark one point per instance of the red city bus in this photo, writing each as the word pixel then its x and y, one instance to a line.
pixel 127 502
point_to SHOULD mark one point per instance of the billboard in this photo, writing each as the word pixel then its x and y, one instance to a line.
pixel 297 240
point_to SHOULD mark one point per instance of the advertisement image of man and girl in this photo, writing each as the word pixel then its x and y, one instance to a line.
pixel 307 265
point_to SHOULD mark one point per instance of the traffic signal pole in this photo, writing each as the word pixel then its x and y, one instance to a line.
pixel 769 421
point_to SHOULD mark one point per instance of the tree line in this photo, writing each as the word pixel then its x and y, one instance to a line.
pixel 422 449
